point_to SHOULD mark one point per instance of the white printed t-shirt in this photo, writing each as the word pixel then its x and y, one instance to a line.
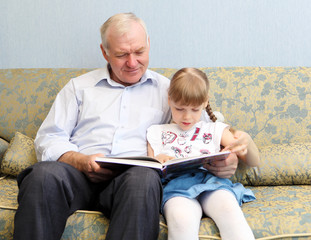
pixel 170 139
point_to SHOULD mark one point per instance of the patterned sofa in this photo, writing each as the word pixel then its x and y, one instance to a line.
pixel 270 103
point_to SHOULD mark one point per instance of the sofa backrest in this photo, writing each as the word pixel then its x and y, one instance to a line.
pixel 26 97
pixel 271 103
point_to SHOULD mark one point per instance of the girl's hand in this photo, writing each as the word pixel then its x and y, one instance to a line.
pixel 240 144
pixel 246 149
pixel 162 158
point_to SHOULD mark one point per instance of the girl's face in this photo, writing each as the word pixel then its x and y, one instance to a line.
pixel 186 116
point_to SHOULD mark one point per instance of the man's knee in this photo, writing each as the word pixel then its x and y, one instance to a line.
pixel 144 179
pixel 42 172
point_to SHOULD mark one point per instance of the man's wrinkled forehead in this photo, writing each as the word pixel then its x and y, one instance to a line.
pixel 116 36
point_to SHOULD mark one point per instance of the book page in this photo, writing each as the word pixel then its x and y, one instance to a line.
pixel 206 158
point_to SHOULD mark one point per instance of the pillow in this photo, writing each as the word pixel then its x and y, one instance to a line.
pixel 19 155
pixel 3 147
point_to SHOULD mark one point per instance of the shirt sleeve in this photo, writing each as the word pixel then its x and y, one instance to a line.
pixel 53 136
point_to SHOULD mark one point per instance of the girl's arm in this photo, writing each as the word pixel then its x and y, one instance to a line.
pixel 243 145
pixel 150 150
pixel 162 158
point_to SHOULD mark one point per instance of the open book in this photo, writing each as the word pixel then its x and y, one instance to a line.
pixel 168 169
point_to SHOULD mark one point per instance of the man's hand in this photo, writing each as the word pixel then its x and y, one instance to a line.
pixel 225 168
pixel 87 165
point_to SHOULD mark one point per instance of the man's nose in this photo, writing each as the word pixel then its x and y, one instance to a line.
pixel 131 60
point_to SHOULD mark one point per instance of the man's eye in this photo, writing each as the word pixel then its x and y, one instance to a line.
pixel 121 55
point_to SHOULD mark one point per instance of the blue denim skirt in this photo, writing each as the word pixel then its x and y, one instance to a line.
pixel 191 185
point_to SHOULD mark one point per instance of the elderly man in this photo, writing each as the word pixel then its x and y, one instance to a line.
pixel 103 112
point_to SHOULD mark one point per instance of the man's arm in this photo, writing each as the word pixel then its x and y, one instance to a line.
pixel 52 139
pixel 227 167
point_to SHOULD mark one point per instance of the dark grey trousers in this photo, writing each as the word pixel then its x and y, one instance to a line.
pixel 49 192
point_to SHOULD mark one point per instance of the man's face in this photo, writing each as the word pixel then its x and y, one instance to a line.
pixel 128 54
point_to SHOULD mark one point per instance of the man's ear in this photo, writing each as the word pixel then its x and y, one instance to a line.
pixel 104 52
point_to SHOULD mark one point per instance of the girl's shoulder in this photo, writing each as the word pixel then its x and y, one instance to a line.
pixel 161 127
pixel 211 125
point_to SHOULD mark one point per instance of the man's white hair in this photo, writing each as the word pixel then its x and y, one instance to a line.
pixel 122 23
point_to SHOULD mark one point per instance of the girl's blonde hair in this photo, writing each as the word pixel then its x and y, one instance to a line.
pixel 190 86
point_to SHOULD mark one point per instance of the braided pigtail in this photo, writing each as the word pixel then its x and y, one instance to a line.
pixel 210 113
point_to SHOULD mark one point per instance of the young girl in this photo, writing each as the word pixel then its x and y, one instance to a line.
pixel 187 197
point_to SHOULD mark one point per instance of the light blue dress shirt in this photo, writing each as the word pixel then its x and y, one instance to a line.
pixel 93 114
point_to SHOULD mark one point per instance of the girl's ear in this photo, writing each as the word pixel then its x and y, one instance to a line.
pixel 169 101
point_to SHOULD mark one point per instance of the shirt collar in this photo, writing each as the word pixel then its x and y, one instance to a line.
pixel 148 76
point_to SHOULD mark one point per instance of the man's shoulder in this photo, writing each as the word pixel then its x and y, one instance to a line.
pixel 90 78
pixel 157 77
pixel 98 73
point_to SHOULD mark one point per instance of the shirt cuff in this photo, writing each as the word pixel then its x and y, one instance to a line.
pixel 53 153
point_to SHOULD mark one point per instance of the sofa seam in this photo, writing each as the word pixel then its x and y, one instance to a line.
pixel 289 235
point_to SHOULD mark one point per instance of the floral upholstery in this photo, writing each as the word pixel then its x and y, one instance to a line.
pixel 267 100
pixel 279 211
pixel 3 147
pixel 26 97
pixel 272 104
pixel 19 155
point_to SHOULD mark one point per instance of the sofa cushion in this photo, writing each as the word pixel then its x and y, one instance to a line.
pixel 283 164
pixel 279 212
pixel 19 155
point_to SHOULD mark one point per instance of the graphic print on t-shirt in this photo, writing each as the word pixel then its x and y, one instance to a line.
pixel 168 137
pixel 207 138
pixel 184 144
